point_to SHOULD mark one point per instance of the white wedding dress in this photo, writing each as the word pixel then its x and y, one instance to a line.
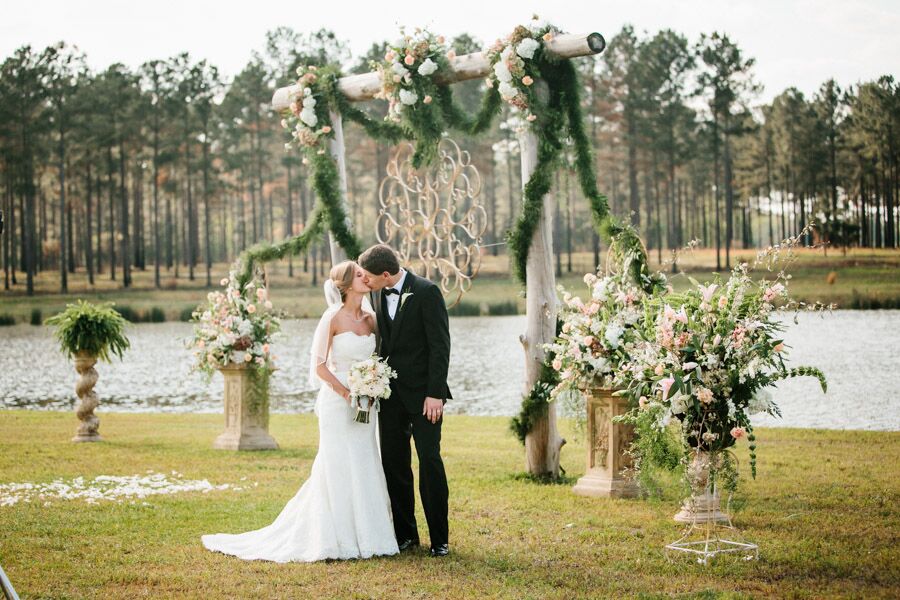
pixel 343 510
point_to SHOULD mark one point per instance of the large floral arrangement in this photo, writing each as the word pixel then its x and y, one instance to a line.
pixel 235 327
pixel 369 381
pixel 514 68
pixel 703 369
pixel 597 336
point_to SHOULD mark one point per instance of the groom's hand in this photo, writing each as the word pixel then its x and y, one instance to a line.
pixel 433 409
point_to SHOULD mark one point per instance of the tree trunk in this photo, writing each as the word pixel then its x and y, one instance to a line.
pixel 63 222
pixel 543 442
pixel 88 234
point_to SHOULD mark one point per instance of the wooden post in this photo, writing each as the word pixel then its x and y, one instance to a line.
pixel 543 443
pixel 336 148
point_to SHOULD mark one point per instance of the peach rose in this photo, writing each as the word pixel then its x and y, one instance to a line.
pixel 738 432
pixel 527 80
pixel 409 59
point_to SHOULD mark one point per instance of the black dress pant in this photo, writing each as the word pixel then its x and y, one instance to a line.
pixel 397 425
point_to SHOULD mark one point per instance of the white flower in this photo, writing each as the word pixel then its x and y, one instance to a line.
pixel 613 334
pixel 527 47
pixel 600 290
pixel 502 72
pixel 536 25
pixel 428 67
pixel 308 116
pixel 398 69
pixel 506 90
pixel 309 102
pixel 307 91
pixel 408 97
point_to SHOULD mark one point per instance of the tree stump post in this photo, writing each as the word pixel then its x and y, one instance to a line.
pixel 336 148
pixel 543 442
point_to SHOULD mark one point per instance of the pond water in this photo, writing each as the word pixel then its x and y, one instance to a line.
pixel 859 351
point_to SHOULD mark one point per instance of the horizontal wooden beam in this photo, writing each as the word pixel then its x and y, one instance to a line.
pixel 468 66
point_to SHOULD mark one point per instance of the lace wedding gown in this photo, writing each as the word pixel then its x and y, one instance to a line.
pixel 343 510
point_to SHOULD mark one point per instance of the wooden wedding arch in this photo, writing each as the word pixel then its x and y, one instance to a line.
pixel 543 443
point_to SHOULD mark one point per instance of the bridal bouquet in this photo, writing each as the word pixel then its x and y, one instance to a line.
pixel 234 327
pixel 703 369
pixel 369 381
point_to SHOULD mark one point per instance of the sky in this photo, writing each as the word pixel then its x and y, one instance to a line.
pixel 797 43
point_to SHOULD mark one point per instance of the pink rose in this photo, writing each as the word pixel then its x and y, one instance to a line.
pixel 659 369
pixel 251 308
pixel 531 117
pixel 557 364
pixel 326 129
pixel 451 54
pixel 427 99
pixel 409 59
pixel 589 341
pixel 738 432
pixel 527 80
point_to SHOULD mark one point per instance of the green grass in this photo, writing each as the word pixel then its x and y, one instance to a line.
pixel 861 279
pixel 824 513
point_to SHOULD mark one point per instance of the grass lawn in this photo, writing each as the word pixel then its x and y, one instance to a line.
pixel 824 513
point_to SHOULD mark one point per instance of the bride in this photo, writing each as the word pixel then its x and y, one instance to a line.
pixel 343 510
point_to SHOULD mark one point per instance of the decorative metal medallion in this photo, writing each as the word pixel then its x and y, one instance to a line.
pixel 432 216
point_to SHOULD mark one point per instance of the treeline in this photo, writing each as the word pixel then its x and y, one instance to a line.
pixel 169 167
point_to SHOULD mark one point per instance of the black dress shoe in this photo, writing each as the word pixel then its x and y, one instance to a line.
pixel 440 550
pixel 407 544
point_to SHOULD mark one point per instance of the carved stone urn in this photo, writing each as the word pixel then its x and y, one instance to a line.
pixel 88 430
pixel 607 451
pixel 246 411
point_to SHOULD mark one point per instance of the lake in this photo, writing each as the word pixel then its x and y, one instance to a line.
pixel 859 351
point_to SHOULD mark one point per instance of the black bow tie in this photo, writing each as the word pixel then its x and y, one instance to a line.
pixel 389 291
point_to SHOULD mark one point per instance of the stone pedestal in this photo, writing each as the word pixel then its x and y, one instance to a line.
pixel 88 430
pixel 704 504
pixel 608 442
pixel 246 412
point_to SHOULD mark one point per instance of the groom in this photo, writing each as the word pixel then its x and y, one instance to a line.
pixel 414 338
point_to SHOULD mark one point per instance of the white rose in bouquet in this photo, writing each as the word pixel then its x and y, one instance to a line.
pixel 369 381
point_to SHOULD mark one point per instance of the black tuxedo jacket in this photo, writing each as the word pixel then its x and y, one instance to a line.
pixel 416 343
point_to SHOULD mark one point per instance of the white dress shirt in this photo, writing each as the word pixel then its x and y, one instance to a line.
pixel 393 300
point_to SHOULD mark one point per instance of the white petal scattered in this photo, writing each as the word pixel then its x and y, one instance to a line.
pixel 110 488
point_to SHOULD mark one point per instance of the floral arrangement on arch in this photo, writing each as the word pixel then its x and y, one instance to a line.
pixel 597 336
pixel 235 326
pixel 303 122
pixel 513 64
pixel 407 73
pixel 704 366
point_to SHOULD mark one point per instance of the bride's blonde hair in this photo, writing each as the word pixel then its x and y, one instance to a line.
pixel 342 275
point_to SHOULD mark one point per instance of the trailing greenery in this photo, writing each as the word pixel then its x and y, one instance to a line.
pixel 536 403
pixel 96 329
pixel 265 252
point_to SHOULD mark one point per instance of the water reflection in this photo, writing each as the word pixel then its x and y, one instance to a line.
pixel 858 351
